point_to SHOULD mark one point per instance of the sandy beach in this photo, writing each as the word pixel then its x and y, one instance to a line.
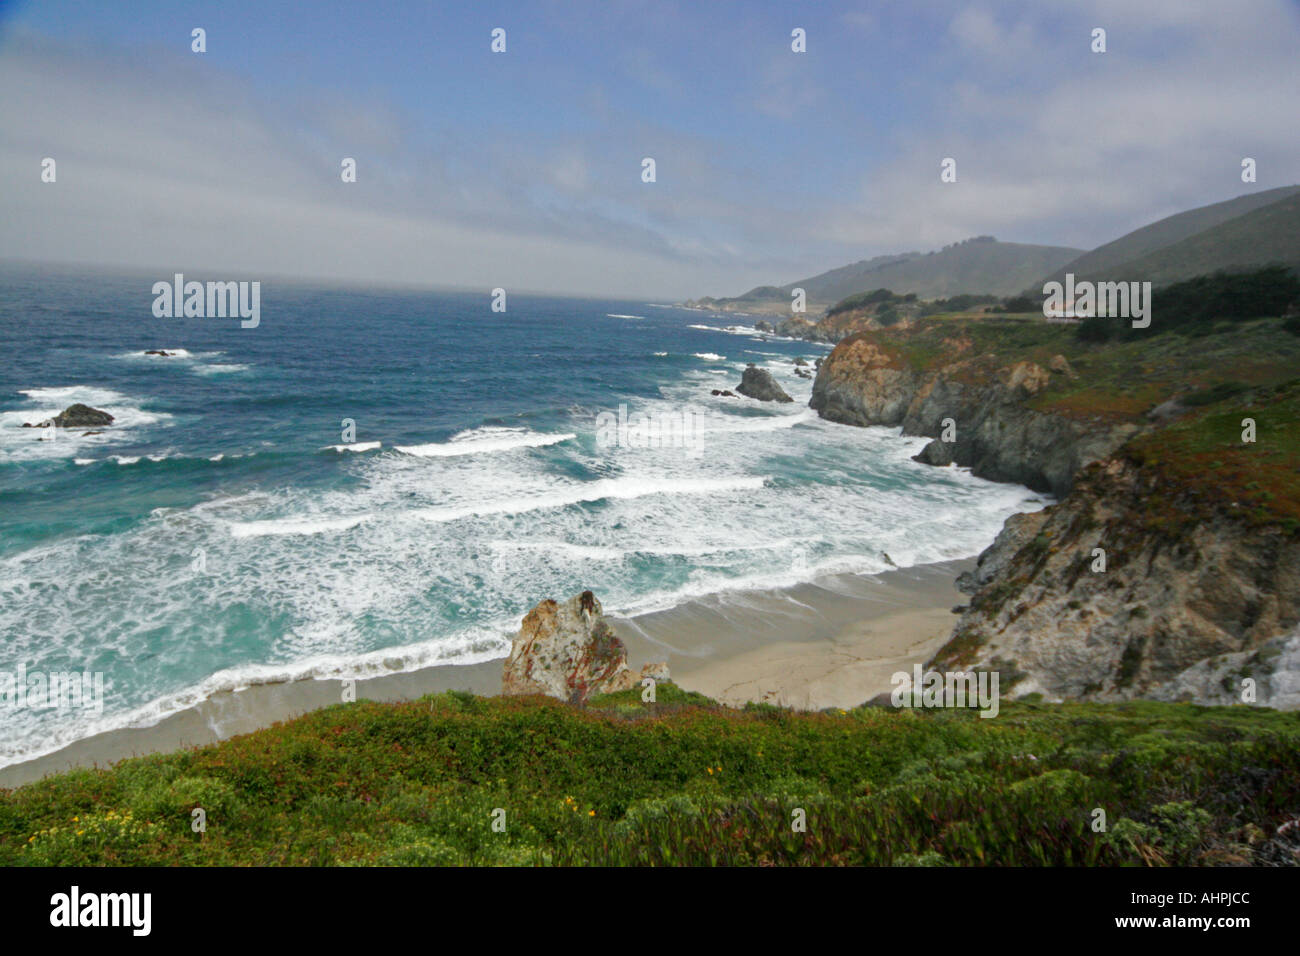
pixel 833 642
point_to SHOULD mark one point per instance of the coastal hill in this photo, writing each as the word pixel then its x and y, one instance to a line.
pixel 1253 230
pixel 981 265
pixel 1174 450
pixel 1250 231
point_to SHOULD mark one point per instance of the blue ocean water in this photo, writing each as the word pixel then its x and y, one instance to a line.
pixel 219 534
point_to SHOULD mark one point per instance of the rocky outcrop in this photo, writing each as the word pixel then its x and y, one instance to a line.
pixel 795 327
pixel 569 651
pixel 1137 583
pixel 860 383
pixel 1061 365
pixel 1129 588
pixel 75 416
pixel 994 432
pixel 758 383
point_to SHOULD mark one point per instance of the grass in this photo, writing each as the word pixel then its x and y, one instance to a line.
pixel 1204 454
pixel 684 781
pixel 1116 380
pixel 1240 370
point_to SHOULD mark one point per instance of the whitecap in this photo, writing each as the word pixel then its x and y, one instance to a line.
pixel 300 525
pixel 357 446
pixel 485 440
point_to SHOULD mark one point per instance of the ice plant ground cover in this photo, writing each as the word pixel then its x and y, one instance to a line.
pixel 459 779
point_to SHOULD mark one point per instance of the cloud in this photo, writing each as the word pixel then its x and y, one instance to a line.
pixel 772 165
pixel 161 163
pixel 785 90
pixel 1099 143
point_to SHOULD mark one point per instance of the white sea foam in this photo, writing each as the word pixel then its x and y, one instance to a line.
pixel 737 425
pixel 709 356
pixel 475 646
pixel 484 440
pixel 32 444
pixel 420 562
pixel 563 548
pixel 171 353
pixel 304 525
pixel 356 446
pixel 612 488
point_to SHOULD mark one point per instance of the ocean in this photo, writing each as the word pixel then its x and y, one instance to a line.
pixel 228 529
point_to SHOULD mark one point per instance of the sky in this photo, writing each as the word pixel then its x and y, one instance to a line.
pixel 523 169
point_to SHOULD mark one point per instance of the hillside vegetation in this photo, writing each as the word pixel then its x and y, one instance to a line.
pixel 685 781
pixel 980 266
pixel 1253 230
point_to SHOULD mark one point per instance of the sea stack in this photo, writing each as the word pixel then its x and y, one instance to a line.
pixel 569 651
pixel 758 383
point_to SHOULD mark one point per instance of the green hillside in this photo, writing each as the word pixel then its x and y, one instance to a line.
pixel 687 782
pixel 1160 247
pixel 1258 238
pixel 981 265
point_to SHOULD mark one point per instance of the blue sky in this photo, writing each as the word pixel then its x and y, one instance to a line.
pixel 523 169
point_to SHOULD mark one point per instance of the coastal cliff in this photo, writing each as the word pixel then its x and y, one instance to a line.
pixel 1126 589
pixel 1170 567
pixel 993 431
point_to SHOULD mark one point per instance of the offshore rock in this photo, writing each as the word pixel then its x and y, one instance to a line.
pixel 75 416
pixel 758 383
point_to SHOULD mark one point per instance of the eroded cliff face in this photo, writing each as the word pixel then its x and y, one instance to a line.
pixel 1190 598
pixel 1127 589
pixel 995 433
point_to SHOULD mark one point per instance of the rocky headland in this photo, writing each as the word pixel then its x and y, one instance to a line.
pixel 1169 568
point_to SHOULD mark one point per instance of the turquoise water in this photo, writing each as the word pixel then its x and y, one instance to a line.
pixel 218 535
